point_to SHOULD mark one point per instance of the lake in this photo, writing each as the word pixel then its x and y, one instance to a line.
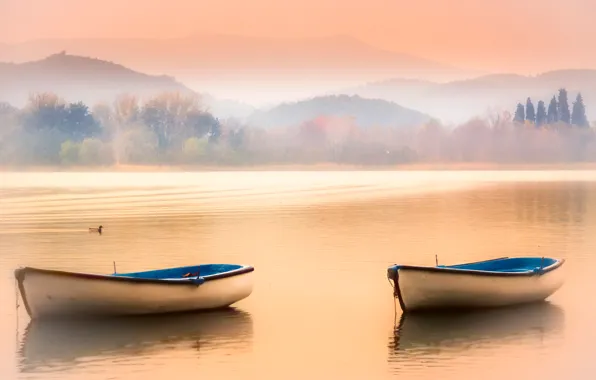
pixel 320 243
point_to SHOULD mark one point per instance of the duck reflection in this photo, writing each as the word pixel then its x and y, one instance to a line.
pixel 55 343
pixel 427 333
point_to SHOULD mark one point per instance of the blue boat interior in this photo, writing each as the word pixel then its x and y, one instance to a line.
pixel 502 265
pixel 182 273
pixel 509 265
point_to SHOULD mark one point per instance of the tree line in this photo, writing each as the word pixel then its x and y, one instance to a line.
pixel 558 111
pixel 176 129
pixel 51 131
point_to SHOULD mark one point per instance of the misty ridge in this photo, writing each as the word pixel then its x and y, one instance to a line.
pixel 116 116
pixel 457 101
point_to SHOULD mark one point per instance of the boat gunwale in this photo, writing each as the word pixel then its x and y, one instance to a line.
pixel 476 272
pixel 21 272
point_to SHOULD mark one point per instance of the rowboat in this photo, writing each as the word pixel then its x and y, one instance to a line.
pixel 491 283
pixel 55 293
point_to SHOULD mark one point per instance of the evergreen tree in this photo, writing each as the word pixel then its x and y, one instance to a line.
pixel 578 116
pixel 563 108
pixel 541 114
pixel 553 114
pixel 520 114
pixel 530 113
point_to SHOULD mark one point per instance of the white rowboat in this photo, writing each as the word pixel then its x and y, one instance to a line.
pixel 492 283
pixel 54 293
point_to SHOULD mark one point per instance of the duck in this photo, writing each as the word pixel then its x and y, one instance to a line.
pixel 98 229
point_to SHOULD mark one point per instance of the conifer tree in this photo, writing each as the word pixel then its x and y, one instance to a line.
pixel 520 114
pixel 541 114
pixel 563 107
pixel 530 113
pixel 578 115
pixel 553 114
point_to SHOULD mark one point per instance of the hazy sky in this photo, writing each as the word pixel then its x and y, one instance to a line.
pixel 486 34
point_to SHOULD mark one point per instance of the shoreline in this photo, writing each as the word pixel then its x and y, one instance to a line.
pixel 476 166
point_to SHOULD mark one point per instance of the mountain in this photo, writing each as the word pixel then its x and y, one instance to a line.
pixel 365 112
pixel 233 55
pixel 457 101
pixel 253 68
pixel 93 80
pixel 79 78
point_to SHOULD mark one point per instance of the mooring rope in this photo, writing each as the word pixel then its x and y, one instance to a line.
pixel 16 293
pixel 394 302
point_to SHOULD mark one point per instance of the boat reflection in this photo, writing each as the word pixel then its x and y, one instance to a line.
pixel 63 343
pixel 427 333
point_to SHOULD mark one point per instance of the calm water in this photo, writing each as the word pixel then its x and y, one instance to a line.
pixel 320 242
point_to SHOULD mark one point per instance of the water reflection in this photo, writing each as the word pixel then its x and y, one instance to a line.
pixel 60 344
pixel 429 334
pixel 554 203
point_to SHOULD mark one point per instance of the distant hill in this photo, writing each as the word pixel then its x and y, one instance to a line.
pixel 234 55
pixel 459 100
pixel 79 78
pixel 93 80
pixel 365 112
pixel 252 69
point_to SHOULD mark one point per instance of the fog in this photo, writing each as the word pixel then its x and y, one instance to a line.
pixel 177 129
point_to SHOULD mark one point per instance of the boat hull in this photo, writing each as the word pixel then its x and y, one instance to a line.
pixel 48 293
pixel 424 288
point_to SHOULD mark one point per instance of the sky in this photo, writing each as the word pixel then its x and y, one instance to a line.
pixel 524 36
